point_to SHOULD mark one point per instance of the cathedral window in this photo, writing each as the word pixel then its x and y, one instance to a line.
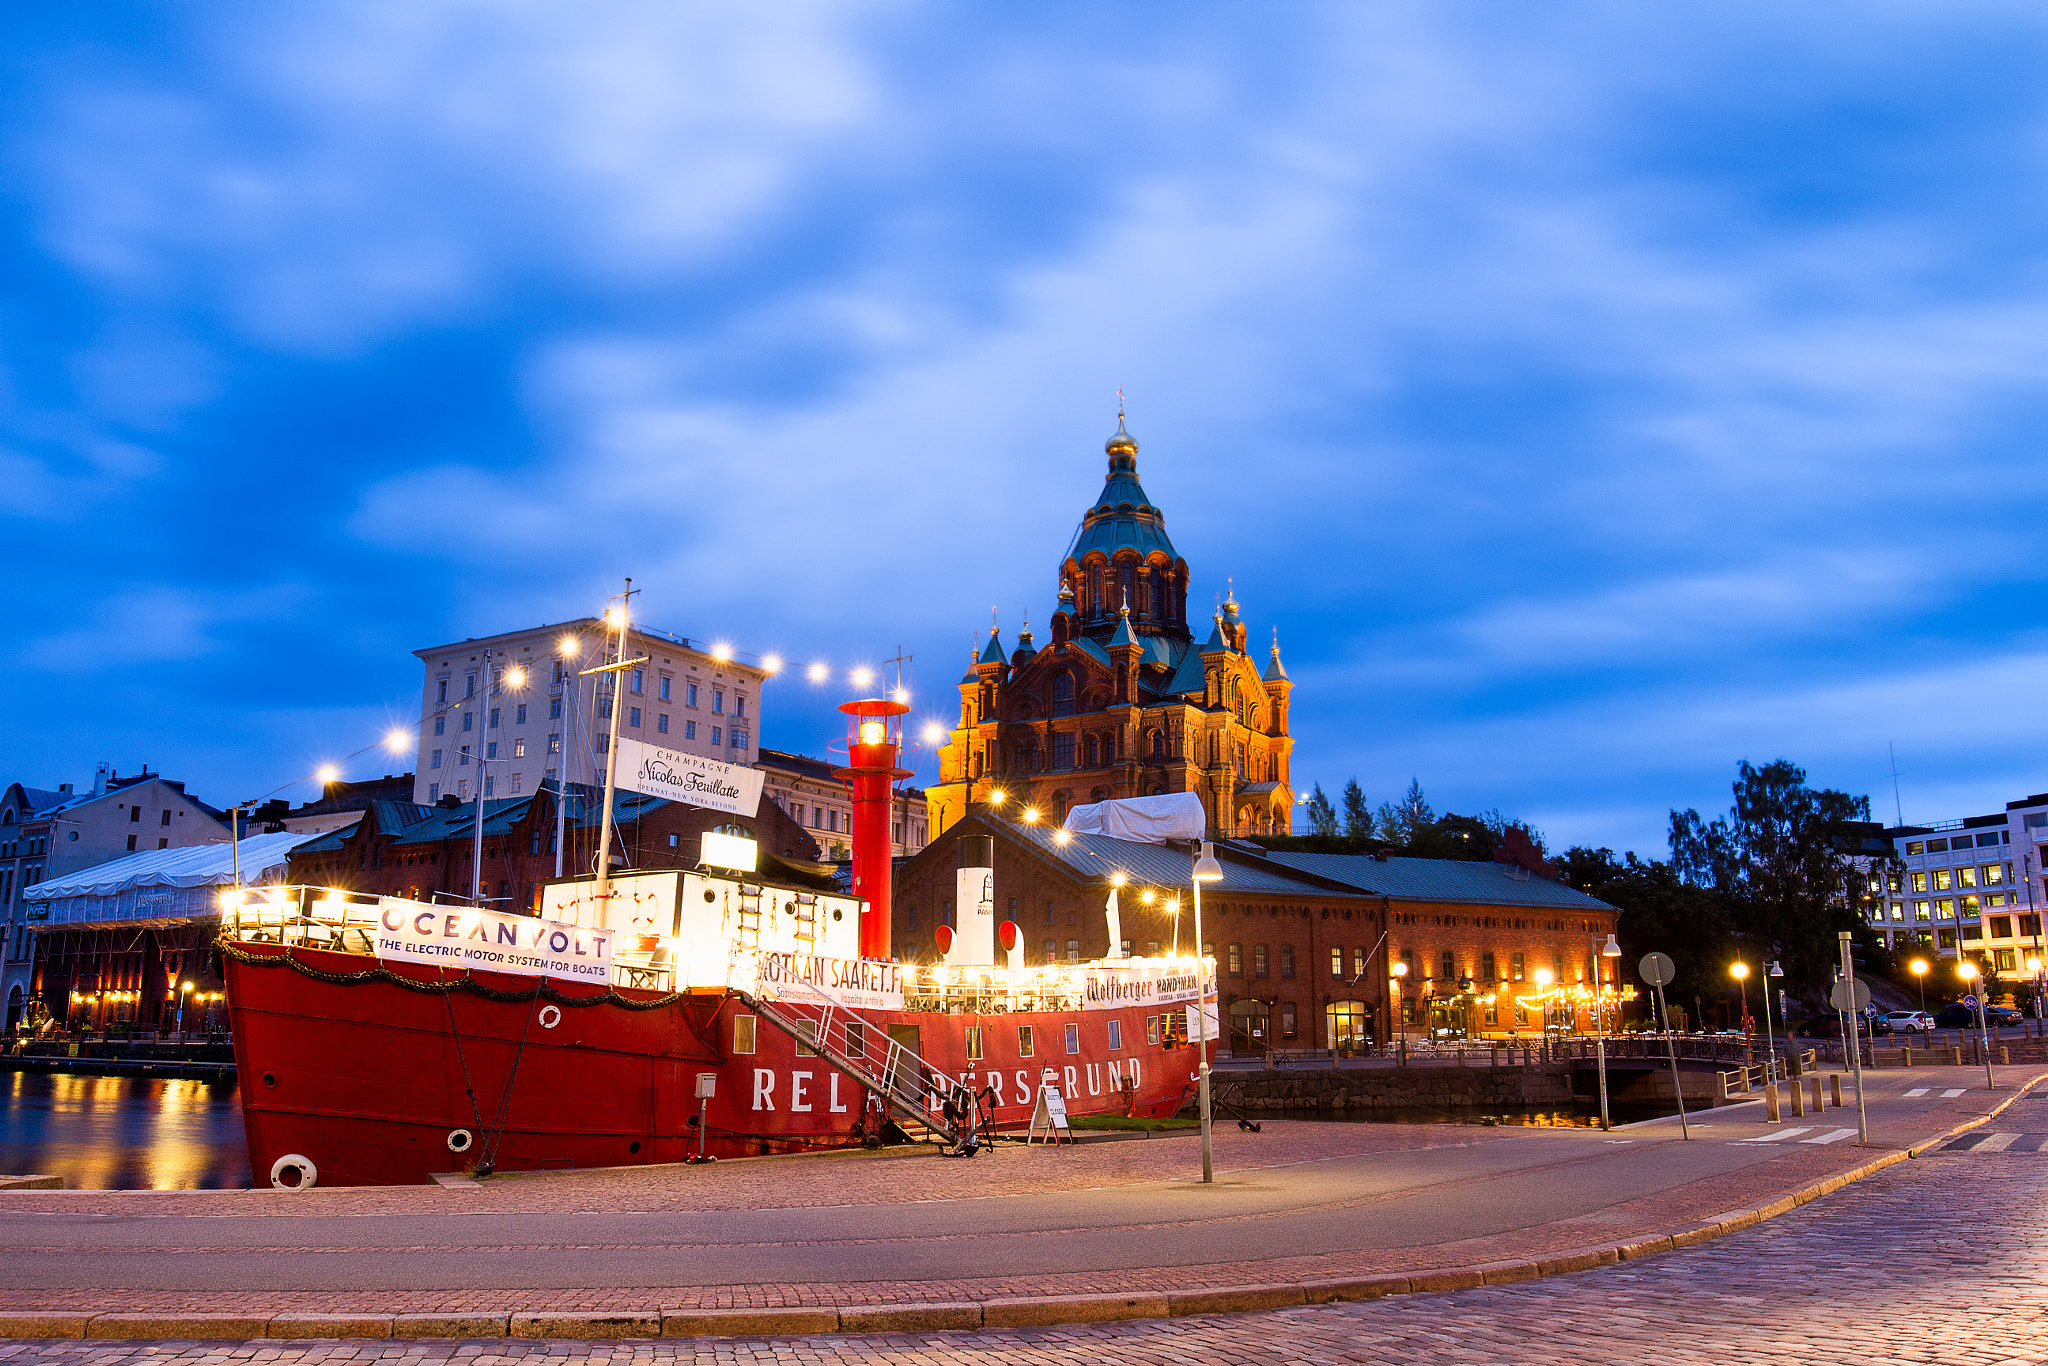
pixel 1089 752
pixel 1063 696
pixel 1063 751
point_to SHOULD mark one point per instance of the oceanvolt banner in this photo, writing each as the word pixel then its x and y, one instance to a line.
pixel 463 937
pixel 690 778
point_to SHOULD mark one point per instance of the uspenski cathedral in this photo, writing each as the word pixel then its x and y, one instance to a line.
pixel 1122 702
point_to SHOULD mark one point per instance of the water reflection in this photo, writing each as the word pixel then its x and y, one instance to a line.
pixel 1544 1117
pixel 125 1133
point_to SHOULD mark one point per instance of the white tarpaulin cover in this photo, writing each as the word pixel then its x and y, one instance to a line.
pixel 201 865
pixel 1143 820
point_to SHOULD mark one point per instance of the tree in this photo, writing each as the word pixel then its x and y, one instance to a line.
pixel 1357 818
pixel 1322 817
pixel 1660 913
pixel 1775 866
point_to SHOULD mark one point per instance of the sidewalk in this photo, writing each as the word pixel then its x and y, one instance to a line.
pixel 1302 1213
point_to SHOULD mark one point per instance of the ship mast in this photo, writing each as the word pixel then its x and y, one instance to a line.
pixel 618 666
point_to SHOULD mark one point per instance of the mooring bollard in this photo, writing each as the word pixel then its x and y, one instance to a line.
pixel 1798 1098
pixel 1818 1106
pixel 1771 1102
pixel 1835 1087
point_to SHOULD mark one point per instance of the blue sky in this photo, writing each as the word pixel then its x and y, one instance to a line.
pixel 1592 395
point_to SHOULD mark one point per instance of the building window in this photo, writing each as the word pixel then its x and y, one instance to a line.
pixel 441 691
pixel 1073 1039
pixel 1063 698
pixel 717 702
pixel 739 739
pixel 436 762
pixel 1287 1020
pixel 1259 961
pixel 1062 751
pixel 1336 963
pixel 1237 960
pixel 1447 967
pixel 468 722
pixel 462 789
pixel 440 725
pixel 689 730
pixel 490 785
pixel 554 709
pixel 1486 965
pixel 494 718
pixel 131 844
pixel 1358 963
pixel 464 759
pixel 1514 967
pixel 519 717
pixel 661 723
pixel 739 704
pixel 519 749
pixel 134 814
pixel 433 792
pixel 1116 1036
pixel 555 743
pixel 1287 960
pixel 633 717
pixel 1073 950
pixel 714 736
pixel 665 681
pixel 517 779
pixel 469 685
pixel 1052 950
pixel 690 693
pixel 1943 880
pixel 1993 875
pixel 640 682
pixel 490 749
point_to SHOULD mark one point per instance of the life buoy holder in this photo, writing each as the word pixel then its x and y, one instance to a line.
pixel 550 1016
pixel 309 1175
pixel 460 1140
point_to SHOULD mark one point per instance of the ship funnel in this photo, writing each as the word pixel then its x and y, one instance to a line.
pixel 974 892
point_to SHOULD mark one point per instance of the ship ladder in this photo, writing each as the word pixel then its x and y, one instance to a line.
pixel 852 1046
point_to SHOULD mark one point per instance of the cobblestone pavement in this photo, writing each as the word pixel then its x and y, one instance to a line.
pixel 1936 1260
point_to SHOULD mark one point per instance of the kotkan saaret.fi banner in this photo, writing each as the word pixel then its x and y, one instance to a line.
pixel 690 778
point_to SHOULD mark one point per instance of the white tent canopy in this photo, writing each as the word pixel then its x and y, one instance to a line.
pixel 203 865
pixel 1143 820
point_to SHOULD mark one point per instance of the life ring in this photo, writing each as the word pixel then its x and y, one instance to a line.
pixel 460 1140
pixel 309 1175
pixel 550 1016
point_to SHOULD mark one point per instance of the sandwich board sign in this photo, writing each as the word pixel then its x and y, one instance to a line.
pixel 1051 1112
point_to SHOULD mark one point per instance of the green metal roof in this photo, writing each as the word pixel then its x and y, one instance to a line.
pixel 1431 879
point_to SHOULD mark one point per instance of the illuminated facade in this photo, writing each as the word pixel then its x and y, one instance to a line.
pixel 1122 701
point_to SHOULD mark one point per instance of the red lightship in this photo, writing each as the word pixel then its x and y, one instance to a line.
pixel 652 1015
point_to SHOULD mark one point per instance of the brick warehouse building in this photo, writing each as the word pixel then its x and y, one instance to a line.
pixel 1304 943
pixel 1122 702
pixel 406 849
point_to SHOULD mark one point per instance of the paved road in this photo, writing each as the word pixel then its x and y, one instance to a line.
pixel 1938 1260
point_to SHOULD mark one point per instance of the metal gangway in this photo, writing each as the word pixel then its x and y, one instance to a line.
pixel 857 1048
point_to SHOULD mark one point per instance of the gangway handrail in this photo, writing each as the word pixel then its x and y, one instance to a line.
pixel 903 1078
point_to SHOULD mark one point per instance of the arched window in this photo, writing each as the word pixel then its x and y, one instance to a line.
pixel 1158 745
pixel 1088 751
pixel 1063 695
pixel 1059 807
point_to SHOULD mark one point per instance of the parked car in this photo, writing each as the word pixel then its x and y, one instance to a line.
pixel 1960 1016
pixel 1907 1022
pixel 1819 1027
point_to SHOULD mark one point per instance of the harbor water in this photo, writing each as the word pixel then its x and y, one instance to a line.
pixel 123 1133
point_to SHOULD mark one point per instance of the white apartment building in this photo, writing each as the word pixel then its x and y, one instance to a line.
pixel 1975 885
pixel 806 789
pixel 479 729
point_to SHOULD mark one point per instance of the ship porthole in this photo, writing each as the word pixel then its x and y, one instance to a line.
pixel 301 1171
pixel 460 1140
pixel 270 1078
pixel 634 1146
pixel 550 1016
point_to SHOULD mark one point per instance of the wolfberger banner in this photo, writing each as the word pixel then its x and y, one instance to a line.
pixel 463 937
pixel 690 778
pixel 858 982
pixel 1114 988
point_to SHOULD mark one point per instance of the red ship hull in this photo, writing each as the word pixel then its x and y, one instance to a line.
pixel 374 1083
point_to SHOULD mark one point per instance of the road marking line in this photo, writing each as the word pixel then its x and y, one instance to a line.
pixel 1833 1136
pixel 1996 1143
pixel 1951 1095
pixel 1916 1091
pixel 1781 1135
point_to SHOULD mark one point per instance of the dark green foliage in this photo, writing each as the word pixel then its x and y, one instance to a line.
pixel 1322 817
pixel 1775 867
pixel 1357 819
pixel 1662 913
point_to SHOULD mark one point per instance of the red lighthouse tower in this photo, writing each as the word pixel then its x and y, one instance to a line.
pixel 871 775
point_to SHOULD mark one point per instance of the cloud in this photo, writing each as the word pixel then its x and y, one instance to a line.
pixel 152 624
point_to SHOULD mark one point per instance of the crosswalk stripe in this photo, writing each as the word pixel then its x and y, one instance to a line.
pixel 1779 1136
pixel 1834 1136
pixel 1951 1095
pixel 1996 1143
pixel 1916 1091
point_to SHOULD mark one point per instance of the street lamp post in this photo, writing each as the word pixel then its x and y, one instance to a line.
pixel 1611 950
pixel 1400 970
pixel 1771 970
pixel 1207 869
pixel 1740 972
pixel 2034 966
pixel 1919 966
pixel 1967 970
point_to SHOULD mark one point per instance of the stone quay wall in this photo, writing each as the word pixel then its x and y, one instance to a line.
pixel 1393 1088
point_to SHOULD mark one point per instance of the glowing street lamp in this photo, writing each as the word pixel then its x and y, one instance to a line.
pixel 1206 869
pixel 1740 972
pixel 1919 966
pixel 1967 970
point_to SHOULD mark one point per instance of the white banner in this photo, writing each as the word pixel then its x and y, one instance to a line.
pixel 691 778
pixel 463 937
pixel 859 982
pixel 1168 983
